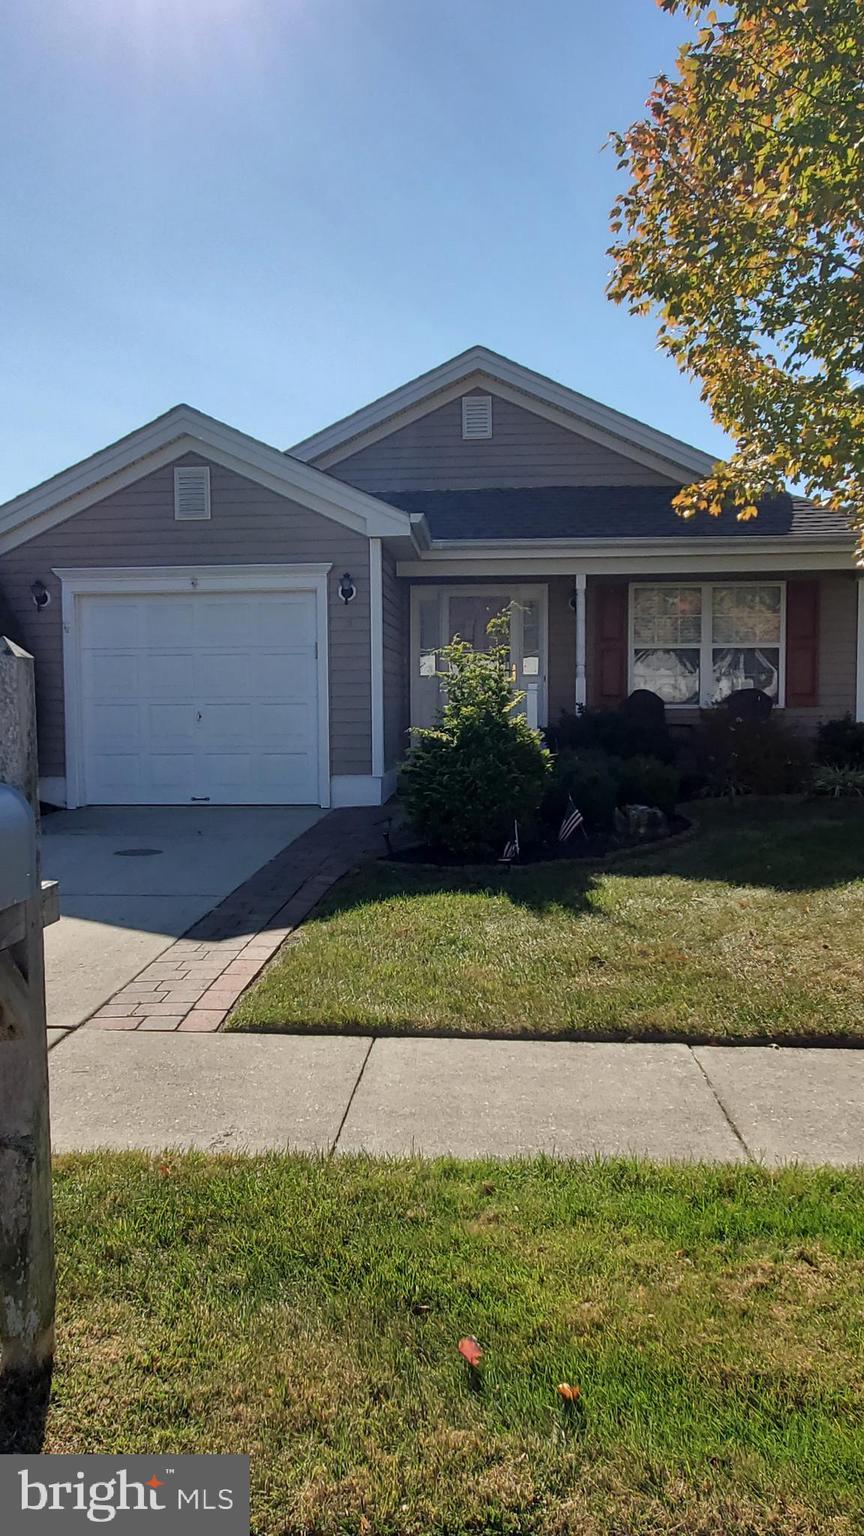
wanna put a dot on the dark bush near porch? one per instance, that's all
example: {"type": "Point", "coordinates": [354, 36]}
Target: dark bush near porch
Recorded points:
{"type": "Point", "coordinates": [756, 757]}
{"type": "Point", "coordinates": [591, 780]}
{"type": "Point", "coordinates": [647, 781]}
{"type": "Point", "coordinates": [840, 743]}
{"type": "Point", "coordinates": [632, 731]}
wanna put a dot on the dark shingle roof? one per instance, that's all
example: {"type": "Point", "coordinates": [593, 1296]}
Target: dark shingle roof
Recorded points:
{"type": "Point", "coordinates": [599, 512]}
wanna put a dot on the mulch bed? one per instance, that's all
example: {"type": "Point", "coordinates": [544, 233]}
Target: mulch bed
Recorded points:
{"type": "Point", "coordinates": [577, 850]}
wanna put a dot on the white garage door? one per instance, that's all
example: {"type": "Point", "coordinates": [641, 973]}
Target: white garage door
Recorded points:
{"type": "Point", "coordinates": [199, 698]}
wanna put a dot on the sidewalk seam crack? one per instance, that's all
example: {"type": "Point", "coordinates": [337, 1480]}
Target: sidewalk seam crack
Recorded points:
{"type": "Point", "coordinates": [351, 1097]}
{"type": "Point", "coordinates": [722, 1108]}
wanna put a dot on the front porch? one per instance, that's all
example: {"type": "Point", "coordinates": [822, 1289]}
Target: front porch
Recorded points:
{"type": "Point", "coordinates": [582, 638]}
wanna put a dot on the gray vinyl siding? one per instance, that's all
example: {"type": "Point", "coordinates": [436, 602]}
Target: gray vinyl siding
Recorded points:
{"type": "Point", "coordinates": [838, 631]}
{"type": "Point", "coordinates": [249, 525]}
{"type": "Point", "coordinates": [397, 647]}
{"type": "Point", "coordinates": [525, 449]}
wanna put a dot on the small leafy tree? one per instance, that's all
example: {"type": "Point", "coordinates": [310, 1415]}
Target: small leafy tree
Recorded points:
{"type": "Point", "coordinates": [482, 766]}
{"type": "Point", "coordinates": [743, 225]}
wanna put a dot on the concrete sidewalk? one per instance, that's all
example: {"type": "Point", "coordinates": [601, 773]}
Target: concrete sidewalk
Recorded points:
{"type": "Point", "coordinates": [470, 1098]}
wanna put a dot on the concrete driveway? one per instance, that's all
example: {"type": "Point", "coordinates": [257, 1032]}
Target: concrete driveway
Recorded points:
{"type": "Point", "coordinates": [132, 879]}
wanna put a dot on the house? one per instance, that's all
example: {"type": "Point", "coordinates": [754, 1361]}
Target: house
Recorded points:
{"type": "Point", "coordinates": [215, 620]}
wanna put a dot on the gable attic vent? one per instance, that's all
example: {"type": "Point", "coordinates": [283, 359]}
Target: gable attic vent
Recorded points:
{"type": "Point", "coordinates": [192, 493]}
{"type": "Point", "coordinates": [476, 416]}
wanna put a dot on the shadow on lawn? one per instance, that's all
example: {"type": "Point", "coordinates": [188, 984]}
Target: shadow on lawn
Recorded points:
{"type": "Point", "coordinates": [24, 1402]}
{"type": "Point", "coordinates": [779, 845]}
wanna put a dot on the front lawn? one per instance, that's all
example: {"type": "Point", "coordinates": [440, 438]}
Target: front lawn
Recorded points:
{"type": "Point", "coordinates": [749, 930]}
{"type": "Point", "coordinates": [308, 1313]}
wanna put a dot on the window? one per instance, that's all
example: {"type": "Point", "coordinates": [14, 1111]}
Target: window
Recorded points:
{"type": "Point", "coordinates": [696, 644]}
{"type": "Point", "coordinates": [476, 416]}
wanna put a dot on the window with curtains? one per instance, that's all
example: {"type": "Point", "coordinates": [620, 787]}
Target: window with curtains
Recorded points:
{"type": "Point", "coordinates": [695, 643]}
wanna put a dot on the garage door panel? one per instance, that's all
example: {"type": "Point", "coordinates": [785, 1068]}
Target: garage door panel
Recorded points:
{"type": "Point", "coordinates": [113, 727]}
{"type": "Point", "coordinates": [114, 772]}
{"type": "Point", "coordinates": [226, 725]}
{"type": "Point", "coordinates": [230, 771]}
{"type": "Point", "coordinates": [168, 622]}
{"type": "Point", "coordinates": [192, 696]}
{"type": "Point", "coordinates": [291, 677]}
{"type": "Point", "coordinates": [284, 725]}
{"type": "Point", "coordinates": [167, 675]}
{"type": "Point", "coordinates": [113, 675]}
{"type": "Point", "coordinates": [291, 627]}
{"type": "Point", "coordinates": [169, 727]}
{"type": "Point", "coordinates": [173, 772]}
{"type": "Point", "coordinates": [275, 767]}
{"type": "Point", "coordinates": [112, 623]}
{"type": "Point", "coordinates": [224, 675]}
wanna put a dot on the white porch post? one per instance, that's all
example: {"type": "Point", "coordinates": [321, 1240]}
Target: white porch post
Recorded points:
{"type": "Point", "coordinates": [376, 638]}
{"type": "Point", "coordinates": [859, 678]}
{"type": "Point", "coordinates": [581, 690]}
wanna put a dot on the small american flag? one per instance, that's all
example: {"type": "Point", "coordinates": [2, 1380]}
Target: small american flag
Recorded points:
{"type": "Point", "coordinates": [511, 849]}
{"type": "Point", "coordinates": [572, 820]}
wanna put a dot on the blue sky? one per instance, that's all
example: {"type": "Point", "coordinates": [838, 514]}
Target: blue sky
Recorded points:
{"type": "Point", "coordinates": [278, 209]}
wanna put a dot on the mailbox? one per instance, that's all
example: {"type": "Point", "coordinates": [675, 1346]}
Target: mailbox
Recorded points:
{"type": "Point", "coordinates": [18, 880]}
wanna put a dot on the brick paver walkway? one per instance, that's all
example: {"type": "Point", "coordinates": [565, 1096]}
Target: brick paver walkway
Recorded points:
{"type": "Point", "coordinates": [196, 981]}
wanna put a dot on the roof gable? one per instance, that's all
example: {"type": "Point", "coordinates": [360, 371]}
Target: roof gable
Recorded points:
{"type": "Point", "coordinates": [180, 431]}
{"type": "Point", "coordinates": [480, 368]}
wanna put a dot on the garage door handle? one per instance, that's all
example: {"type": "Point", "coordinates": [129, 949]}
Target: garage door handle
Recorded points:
{"type": "Point", "coordinates": [198, 715]}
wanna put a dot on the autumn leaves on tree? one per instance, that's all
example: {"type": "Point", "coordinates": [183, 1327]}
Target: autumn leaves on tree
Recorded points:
{"type": "Point", "coordinates": [742, 225]}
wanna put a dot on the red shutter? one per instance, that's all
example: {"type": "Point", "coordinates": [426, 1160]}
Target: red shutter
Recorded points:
{"type": "Point", "coordinates": [802, 643]}
{"type": "Point", "coordinates": [608, 686]}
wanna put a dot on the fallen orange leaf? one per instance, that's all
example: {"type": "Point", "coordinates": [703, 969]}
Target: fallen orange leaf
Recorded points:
{"type": "Point", "coordinates": [470, 1350]}
{"type": "Point", "coordinates": [569, 1394]}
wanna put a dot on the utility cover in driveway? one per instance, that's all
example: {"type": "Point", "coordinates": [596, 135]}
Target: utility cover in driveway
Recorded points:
{"type": "Point", "coordinates": [199, 698]}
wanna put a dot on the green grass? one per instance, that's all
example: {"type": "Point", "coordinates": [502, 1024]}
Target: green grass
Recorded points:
{"type": "Point", "coordinates": [748, 930]}
{"type": "Point", "coordinates": [308, 1312]}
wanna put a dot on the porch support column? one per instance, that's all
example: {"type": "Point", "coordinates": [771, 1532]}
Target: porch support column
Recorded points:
{"type": "Point", "coordinates": [860, 655]}
{"type": "Point", "coordinates": [578, 602]}
{"type": "Point", "coordinates": [859, 678]}
{"type": "Point", "coordinates": [376, 639]}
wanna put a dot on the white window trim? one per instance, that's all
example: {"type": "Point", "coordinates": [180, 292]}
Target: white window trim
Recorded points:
{"type": "Point", "coordinates": [124, 580]}
{"type": "Point", "coordinates": [516, 592]}
{"type": "Point", "coordinates": [706, 659]}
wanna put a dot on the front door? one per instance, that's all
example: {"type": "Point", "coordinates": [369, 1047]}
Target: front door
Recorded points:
{"type": "Point", "coordinates": [440, 613]}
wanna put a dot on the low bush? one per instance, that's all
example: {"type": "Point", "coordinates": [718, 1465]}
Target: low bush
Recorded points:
{"type": "Point", "coordinates": [591, 780]}
{"type": "Point", "coordinates": [482, 768]}
{"type": "Point", "coordinates": [647, 781]}
{"type": "Point", "coordinates": [828, 779]}
{"type": "Point", "coordinates": [613, 731]}
{"type": "Point", "coordinates": [841, 743]}
{"type": "Point", "coordinates": [755, 757]}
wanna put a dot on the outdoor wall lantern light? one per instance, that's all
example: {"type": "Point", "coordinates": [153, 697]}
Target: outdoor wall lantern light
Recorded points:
{"type": "Point", "coordinates": [40, 595]}
{"type": "Point", "coordinates": [347, 589]}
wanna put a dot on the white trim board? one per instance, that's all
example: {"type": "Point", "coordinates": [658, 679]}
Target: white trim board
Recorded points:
{"type": "Point", "coordinates": [362, 788]}
{"type": "Point", "coordinates": [376, 641]}
{"type": "Point", "coordinates": [535, 391]}
{"type": "Point", "coordinates": [181, 431]}
{"type": "Point", "coordinates": [120, 580]}
{"type": "Point", "coordinates": [860, 655]}
{"type": "Point", "coordinates": [633, 560]}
